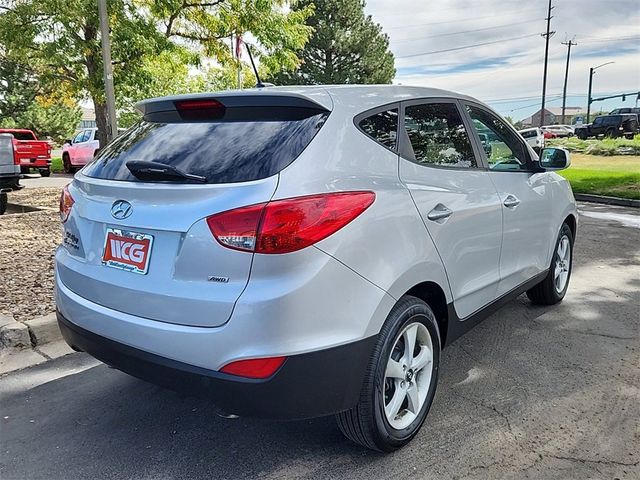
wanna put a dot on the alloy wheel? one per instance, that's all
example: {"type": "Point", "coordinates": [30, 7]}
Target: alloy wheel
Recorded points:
{"type": "Point", "coordinates": [563, 264]}
{"type": "Point", "coordinates": [408, 375]}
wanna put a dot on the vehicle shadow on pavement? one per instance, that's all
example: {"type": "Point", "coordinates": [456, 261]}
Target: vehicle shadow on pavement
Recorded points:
{"type": "Point", "coordinates": [516, 393]}
{"type": "Point", "coordinates": [532, 392]}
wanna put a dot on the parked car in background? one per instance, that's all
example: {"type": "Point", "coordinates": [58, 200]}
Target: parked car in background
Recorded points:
{"type": "Point", "coordinates": [560, 131]}
{"type": "Point", "coordinates": [618, 111]}
{"type": "Point", "coordinates": [81, 149]}
{"type": "Point", "coordinates": [9, 169]}
{"type": "Point", "coordinates": [534, 137]}
{"type": "Point", "coordinates": [611, 126]}
{"type": "Point", "coordinates": [30, 152]}
{"type": "Point", "coordinates": [569, 128]}
{"type": "Point", "coordinates": [243, 246]}
{"type": "Point", "coordinates": [486, 143]}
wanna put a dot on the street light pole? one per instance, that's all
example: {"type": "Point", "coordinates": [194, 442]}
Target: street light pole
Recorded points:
{"type": "Point", "coordinates": [589, 94]}
{"type": "Point", "coordinates": [112, 121]}
{"type": "Point", "coordinates": [589, 99]}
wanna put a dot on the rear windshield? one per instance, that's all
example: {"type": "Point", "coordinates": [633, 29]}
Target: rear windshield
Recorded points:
{"type": "Point", "coordinates": [23, 135]}
{"type": "Point", "coordinates": [529, 133]}
{"type": "Point", "coordinates": [241, 146]}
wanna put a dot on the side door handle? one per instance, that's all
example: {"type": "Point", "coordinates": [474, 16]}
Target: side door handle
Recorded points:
{"type": "Point", "coordinates": [439, 212]}
{"type": "Point", "coordinates": [511, 201]}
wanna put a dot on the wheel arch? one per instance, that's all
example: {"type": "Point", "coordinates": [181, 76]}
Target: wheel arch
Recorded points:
{"type": "Point", "coordinates": [573, 225]}
{"type": "Point", "coordinates": [432, 294]}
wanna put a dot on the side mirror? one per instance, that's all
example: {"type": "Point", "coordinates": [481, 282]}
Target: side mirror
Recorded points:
{"type": "Point", "coordinates": [68, 140]}
{"type": "Point", "coordinates": [554, 159]}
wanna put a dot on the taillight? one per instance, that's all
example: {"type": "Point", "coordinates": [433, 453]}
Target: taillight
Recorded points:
{"type": "Point", "coordinates": [254, 368]}
{"type": "Point", "coordinates": [66, 202]}
{"type": "Point", "coordinates": [284, 226]}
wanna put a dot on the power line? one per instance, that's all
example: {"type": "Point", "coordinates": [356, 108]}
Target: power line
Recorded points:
{"type": "Point", "coordinates": [459, 20]}
{"type": "Point", "coordinates": [464, 31]}
{"type": "Point", "coordinates": [468, 46]}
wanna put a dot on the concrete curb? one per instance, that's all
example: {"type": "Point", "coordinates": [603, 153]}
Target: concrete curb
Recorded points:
{"type": "Point", "coordinates": [28, 343]}
{"type": "Point", "coordinates": [623, 202]}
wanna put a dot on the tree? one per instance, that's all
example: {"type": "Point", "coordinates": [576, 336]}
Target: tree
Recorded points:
{"type": "Point", "coordinates": [62, 39]}
{"type": "Point", "coordinates": [346, 47]}
{"type": "Point", "coordinates": [27, 103]}
{"type": "Point", "coordinates": [518, 125]}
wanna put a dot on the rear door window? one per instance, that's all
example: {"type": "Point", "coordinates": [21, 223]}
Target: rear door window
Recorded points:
{"type": "Point", "coordinates": [438, 135]}
{"type": "Point", "coordinates": [244, 144]}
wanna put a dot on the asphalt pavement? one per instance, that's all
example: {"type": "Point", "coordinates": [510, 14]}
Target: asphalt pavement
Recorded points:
{"type": "Point", "coordinates": [531, 393]}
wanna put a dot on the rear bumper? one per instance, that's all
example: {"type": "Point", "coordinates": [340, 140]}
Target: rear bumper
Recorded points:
{"type": "Point", "coordinates": [35, 162]}
{"type": "Point", "coordinates": [307, 385]}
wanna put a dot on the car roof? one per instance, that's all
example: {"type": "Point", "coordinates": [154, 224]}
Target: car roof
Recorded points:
{"type": "Point", "coordinates": [357, 97]}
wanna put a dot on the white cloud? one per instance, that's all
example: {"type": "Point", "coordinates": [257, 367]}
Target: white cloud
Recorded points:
{"type": "Point", "coordinates": [605, 31]}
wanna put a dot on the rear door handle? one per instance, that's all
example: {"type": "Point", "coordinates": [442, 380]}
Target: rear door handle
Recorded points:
{"type": "Point", "coordinates": [439, 212]}
{"type": "Point", "coordinates": [511, 201]}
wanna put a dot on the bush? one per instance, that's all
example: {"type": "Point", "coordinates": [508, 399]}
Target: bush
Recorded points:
{"type": "Point", "coordinates": [605, 147]}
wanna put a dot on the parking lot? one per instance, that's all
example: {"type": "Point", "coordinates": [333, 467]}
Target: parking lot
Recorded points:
{"type": "Point", "coordinates": [533, 392]}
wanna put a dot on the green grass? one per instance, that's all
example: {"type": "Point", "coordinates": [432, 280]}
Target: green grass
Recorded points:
{"type": "Point", "coordinates": [56, 165]}
{"type": "Point", "coordinates": [614, 176]}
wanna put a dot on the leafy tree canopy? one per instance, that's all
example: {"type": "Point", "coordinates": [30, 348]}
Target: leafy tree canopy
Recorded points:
{"type": "Point", "coordinates": [346, 47]}
{"type": "Point", "coordinates": [154, 43]}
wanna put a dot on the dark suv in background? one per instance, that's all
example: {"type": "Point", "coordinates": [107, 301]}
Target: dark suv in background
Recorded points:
{"type": "Point", "coordinates": [611, 126]}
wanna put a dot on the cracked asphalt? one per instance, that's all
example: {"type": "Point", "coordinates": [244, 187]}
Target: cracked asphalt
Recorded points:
{"type": "Point", "coordinates": [531, 393]}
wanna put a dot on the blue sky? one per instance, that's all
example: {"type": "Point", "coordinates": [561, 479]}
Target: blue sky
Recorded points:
{"type": "Point", "coordinates": [428, 40]}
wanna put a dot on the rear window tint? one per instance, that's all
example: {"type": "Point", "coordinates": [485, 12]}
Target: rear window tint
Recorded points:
{"type": "Point", "coordinates": [529, 134]}
{"type": "Point", "coordinates": [23, 135]}
{"type": "Point", "coordinates": [382, 127]}
{"type": "Point", "coordinates": [239, 147]}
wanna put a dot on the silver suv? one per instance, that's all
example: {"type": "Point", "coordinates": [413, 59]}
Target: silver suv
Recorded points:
{"type": "Point", "coordinates": [305, 251]}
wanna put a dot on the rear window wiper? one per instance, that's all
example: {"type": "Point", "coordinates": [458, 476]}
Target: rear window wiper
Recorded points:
{"type": "Point", "coordinates": [150, 171]}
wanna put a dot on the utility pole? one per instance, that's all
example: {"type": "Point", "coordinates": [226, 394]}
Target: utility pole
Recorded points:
{"type": "Point", "coordinates": [546, 61]}
{"type": "Point", "coordinates": [112, 121]}
{"type": "Point", "coordinates": [566, 78]}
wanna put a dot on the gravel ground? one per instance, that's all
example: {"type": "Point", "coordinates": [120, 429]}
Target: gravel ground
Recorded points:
{"type": "Point", "coordinates": [27, 244]}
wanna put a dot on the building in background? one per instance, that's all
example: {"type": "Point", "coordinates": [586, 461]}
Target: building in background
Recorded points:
{"type": "Point", "coordinates": [553, 116]}
{"type": "Point", "coordinates": [88, 119]}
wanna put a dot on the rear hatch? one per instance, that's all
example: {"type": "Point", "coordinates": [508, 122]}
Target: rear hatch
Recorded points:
{"type": "Point", "coordinates": [137, 239]}
{"type": "Point", "coordinates": [28, 148]}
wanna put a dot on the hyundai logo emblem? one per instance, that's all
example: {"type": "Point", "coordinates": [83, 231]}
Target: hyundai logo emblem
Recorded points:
{"type": "Point", "coordinates": [121, 209]}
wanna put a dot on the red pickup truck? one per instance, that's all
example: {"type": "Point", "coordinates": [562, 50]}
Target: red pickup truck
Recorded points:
{"type": "Point", "coordinates": [31, 152]}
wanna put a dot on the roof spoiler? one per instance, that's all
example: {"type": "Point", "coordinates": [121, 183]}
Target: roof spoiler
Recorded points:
{"type": "Point", "coordinates": [230, 100]}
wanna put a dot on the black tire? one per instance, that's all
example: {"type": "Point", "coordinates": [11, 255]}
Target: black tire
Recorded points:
{"type": "Point", "coordinates": [581, 135]}
{"type": "Point", "coordinates": [24, 170]}
{"type": "Point", "coordinates": [545, 292]}
{"type": "Point", "coordinates": [45, 172]}
{"type": "Point", "coordinates": [66, 164]}
{"type": "Point", "coordinates": [3, 203]}
{"type": "Point", "coordinates": [366, 423]}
